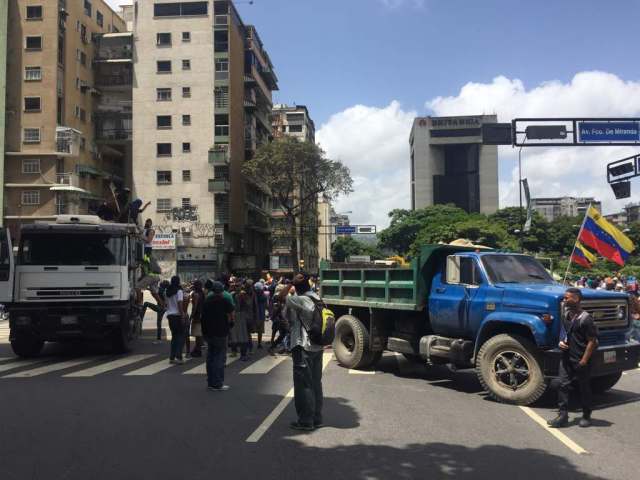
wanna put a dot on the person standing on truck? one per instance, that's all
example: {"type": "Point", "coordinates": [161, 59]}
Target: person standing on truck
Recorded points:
{"type": "Point", "coordinates": [176, 313]}
{"type": "Point", "coordinates": [307, 357]}
{"type": "Point", "coordinates": [217, 321]}
{"type": "Point", "coordinates": [578, 341]}
{"type": "Point", "coordinates": [147, 237]}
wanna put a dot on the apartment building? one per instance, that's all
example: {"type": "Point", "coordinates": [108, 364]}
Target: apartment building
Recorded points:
{"type": "Point", "coordinates": [554, 207]}
{"type": "Point", "coordinates": [294, 121]}
{"type": "Point", "coordinates": [51, 160]}
{"type": "Point", "coordinates": [3, 88]}
{"type": "Point", "coordinates": [201, 100]}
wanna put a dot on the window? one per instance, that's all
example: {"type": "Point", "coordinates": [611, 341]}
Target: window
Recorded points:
{"type": "Point", "coordinates": [186, 92]}
{"type": "Point", "coordinates": [186, 119]}
{"type": "Point", "coordinates": [77, 83]}
{"type": "Point", "coordinates": [83, 33]}
{"type": "Point", "coordinates": [181, 9]}
{"type": "Point", "coordinates": [163, 39]}
{"type": "Point", "coordinates": [31, 165]}
{"type": "Point", "coordinates": [83, 115]}
{"type": "Point", "coordinates": [222, 125]}
{"type": "Point", "coordinates": [221, 41]}
{"type": "Point", "coordinates": [163, 177]}
{"type": "Point", "coordinates": [163, 94]}
{"type": "Point", "coordinates": [33, 43]}
{"type": "Point", "coordinates": [222, 69]}
{"type": "Point", "coordinates": [186, 203]}
{"type": "Point", "coordinates": [186, 64]}
{"type": "Point", "coordinates": [295, 128]}
{"type": "Point", "coordinates": [463, 270]}
{"type": "Point", "coordinates": [32, 104]}
{"type": "Point", "coordinates": [186, 36]}
{"type": "Point", "coordinates": [163, 149]}
{"type": "Point", "coordinates": [77, 111]}
{"type": "Point", "coordinates": [87, 8]}
{"type": "Point", "coordinates": [83, 58]}
{"type": "Point", "coordinates": [221, 95]}
{"type": "Point", "coordinates": [99, 18]}
{"type": "Point", "coordinates": [164, 66]}
{"type": "Point", "coordinates": [31, 135]}
{"type": "Point", "coordinates": [34, 12]}
{"type": "Point", "coordinates": [163, 205]}
{"type": "Point", "coordinates": [83, 143]}
{"type": "Point", "coordinates": [186, 147]}
{"type": "Point", "coordinates": [186, 175]}
{"type": "Point", "coordinates": [163, 121]}
{"type": "Point", "coordinates": [30, 197]}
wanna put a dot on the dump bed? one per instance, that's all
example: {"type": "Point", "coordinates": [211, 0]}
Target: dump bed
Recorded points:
{"type": "Point", "coordinates": [380, 286]}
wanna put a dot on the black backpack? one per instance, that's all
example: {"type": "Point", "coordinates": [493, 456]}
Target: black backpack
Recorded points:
{"type": "Point", "coordinates": [322, 330]}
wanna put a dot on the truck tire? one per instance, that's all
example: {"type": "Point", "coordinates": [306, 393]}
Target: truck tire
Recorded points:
{"type": "Point", "coordinates": [351, 343]}
{"type": "Point", "coordinates": [26, 345]}
{"type": "Point", "coordinates": [509, 368]}
{"type": "Point", "coordinates": [605, 382]}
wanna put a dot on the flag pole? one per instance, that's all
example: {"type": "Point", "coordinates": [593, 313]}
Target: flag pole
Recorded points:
{"type": "Point", "coordinates": [575, 244]}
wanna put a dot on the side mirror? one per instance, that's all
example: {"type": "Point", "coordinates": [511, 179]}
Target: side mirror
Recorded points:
{"type": "Point", "coordinates": [453, 269]}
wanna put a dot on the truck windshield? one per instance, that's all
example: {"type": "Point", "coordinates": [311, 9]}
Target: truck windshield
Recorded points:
{"type": "Point", "coordinates": [515, 269]}
{"type": "Point", "coordinates": [73, 249]}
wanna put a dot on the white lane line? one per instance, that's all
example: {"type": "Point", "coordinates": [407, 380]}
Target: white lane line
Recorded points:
{"type": "Point", "coordinates": [264, 365]}
{"type": "Point", "coordinates": [570, 444]}
{"type": "Point", "coordinates": [19, 363]}
{"type": "Point", "coordinates": [151, 369]}
{"type": "Point", "coordinates": [273, 416]}
{"type": "Point", "coordinates": [202, 368]}
{"type": "Point", "coordinates": [107, 366]}
{"type": "Point", "coordinates": [362, 372]}
{"type": "Point", "coordinates": [54, 367]}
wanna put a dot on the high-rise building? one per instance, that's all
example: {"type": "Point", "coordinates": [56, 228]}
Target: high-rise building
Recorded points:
{"type": "Point", "coordinates": [4, 9]}
{"type": "Point", "coordinates": [201, 102]}
{"type": "Point", "coordinates": [554, 207]}
{"type": "Point", "coordinates": [295, 122]}
{"type": "Point", "coordinates": [52, 162]}
{"type": "Point", "coordinates": [449, 164]}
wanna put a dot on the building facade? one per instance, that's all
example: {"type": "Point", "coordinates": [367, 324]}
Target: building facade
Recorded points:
{"type": "Point", "coordinates": [51, 159]}
{"type": "Point", "coordinates": [554, 207]}
{"type": "Point", "coordinates": [4, 9]}
{"type": "Point", "coordinates": [295, 122]}
{"type": "Point", "coordinates": [449, 164]}
{"type": "Point", "coordinates": [201, 103]}
{"type": "Point", "coordinates": [328, 220]}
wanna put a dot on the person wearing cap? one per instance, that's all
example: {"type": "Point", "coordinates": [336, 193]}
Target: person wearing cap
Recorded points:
{"type": "Point", "coordinates": [216, 321]}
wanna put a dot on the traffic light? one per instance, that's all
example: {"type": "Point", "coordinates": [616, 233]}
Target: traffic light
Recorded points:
{"type": "Point", "coordinates": [621, 189]}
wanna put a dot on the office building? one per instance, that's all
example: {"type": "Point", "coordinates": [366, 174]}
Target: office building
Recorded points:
{"type": "Point", "coordinates": [201, 102]}
{"type": "Point", "coordinates": [295, 122]}
{"type": "Point", "coordinates": [4, 9]}
{"type": "Point", "coordinates": [450, 165]}
{"type": "Point", "coordinates": [328, 220]}
{"type": "Point", "coordinates": [52, 162]}
{"type": "Point", "coordinates": [554, 207]}
{"type": "Point", "coordinates": [619, 219]}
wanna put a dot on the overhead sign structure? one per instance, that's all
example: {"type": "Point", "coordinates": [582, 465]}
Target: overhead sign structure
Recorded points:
{"type": "Point", "coordinates": [609, 132]}
{"type": "Point", "coordinates": [355, 229]}
{"type": "Point", "coordinates": [575, 132]}
{"type": "Point", "coordinates": [164, 241]}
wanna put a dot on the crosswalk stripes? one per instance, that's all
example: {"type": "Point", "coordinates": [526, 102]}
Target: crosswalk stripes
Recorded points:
{"type": "Point", "coordinates": [264, 365]}
{"type": "Point", "coordinates": [105, 367]}
{"type": "Point", "coordinates": [4, 367]}
{"type": "Point", "coordinates": [151, 369]}
{"type": "Point", "coordinates": [4, 332]}
{"type": "Point", "coordinates": [54, 367]}
{"type": "Point", "coordinates": [202, 368]}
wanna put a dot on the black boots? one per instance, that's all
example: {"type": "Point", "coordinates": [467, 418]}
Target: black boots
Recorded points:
{"type": "Point", "coordinates": [561, 421]}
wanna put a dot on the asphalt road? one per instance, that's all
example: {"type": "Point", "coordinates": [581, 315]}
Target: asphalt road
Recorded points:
{"type": "Point", "coordinates": [78, 414]}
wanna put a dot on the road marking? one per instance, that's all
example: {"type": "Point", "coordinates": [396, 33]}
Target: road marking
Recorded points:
{"type": "Point", "coordinates": [2, 359]}
{"type": "Point", "coordinates": [151, 369]}
{"type": "Point", "coordinates": [19, 363]}
{"type": "Point", "coordinates": [362, 372]}
{"type": "Point", "coordinates": [273, 416]}
{"type": "Point", "coordinates": [264, 365]}
{"type": "Point", "coordinates": [54, 367]}
{"type": "Point", "coordinates": [107, 366]}
{"type": "Point", "coordinates": [570, 444]}
{"type": "Point", "coordinates": [202, 368]}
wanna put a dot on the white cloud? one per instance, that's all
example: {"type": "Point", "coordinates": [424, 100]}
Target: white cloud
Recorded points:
{"type": "Point", "coordinates": [115, 4]}
{"type": "Point", "coordinates": [374, 144]}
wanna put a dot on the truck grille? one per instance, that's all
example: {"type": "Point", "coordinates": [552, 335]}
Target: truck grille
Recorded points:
{"type": "Point", "coordinates": [606, 313]}
{"type": "Point", "coordinates": [70, 293]}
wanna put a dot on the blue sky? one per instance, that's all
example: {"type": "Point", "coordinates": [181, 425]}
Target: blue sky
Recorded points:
{"type": "Point", "coordinates": [365, 68]}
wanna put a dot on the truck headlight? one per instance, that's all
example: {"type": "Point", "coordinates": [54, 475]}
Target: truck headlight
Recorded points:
{"type": "Point", "coordinates": [622, 313]}
{"type": "Point", "coordinates": [23, 321]}
{"type": "Point", "coordinates": [112, 318]}
{"type": "Point", "coordinates": [547, 318]}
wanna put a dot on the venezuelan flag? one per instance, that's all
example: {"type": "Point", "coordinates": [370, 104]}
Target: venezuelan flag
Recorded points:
{"type": "Point", "coordinates": [604, 238]}
{"type": "Point", "coordinates": [583, 257]}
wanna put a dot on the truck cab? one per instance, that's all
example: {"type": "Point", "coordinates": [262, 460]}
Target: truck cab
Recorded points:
{"type": "Point", "coordinates": [71, 279]}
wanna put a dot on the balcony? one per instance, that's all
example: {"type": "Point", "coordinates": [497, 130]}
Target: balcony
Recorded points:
{"type": "Point", "coordinates": [219, 156]}
{"type": "Point", "coordinates": [114, 135]}
{"type": "Point", "coordinates": [67, 141]}
{"type": "Point", "coordinates": [219, 186]}
{"type": "Point", "coordinates": [117, 80]}
{"type": "Point", "coordinates": [114, 47]}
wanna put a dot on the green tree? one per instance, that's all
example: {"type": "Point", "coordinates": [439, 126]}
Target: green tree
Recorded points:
{"type": "Point", "coordinates": [344, 247]}
{"type": "Point", "coordinates": [296, 173]}
{"type": "Point", "coordinates": [511, 219]}
{"type": "Point", "coordinates": [562, 235]}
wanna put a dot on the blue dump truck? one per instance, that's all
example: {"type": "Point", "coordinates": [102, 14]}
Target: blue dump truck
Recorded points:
{"type": "Point", "coordinates": [497, 312]}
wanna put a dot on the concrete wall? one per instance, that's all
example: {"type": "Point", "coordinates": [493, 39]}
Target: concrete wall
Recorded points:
{"type": "Point", "coordinates": [4, 9]}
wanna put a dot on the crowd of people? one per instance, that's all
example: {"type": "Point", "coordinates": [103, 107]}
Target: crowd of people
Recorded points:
{"type": "Point", "coordinates": [618, 283]}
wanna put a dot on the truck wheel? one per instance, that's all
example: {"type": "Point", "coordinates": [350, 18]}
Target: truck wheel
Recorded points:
{"type": "Point", "coordinates": [509, 369]}
{"type": "Point", "coordinates": [26, 345]}
{"type": "Point", "coordinates": [351, 343]}
{"type": "Point", "coordinates": [604, 383]}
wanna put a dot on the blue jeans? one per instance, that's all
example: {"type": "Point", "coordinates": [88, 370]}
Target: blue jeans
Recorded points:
{"type": "Point", "coordinates": [216, 359]}
{"type": "Point", "coordinates": [176, 325]}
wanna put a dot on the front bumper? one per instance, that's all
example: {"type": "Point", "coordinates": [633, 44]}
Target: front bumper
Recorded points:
{"type": "Point", "coordinates": [604, 361]}
{"type": "Point", "coordinates": [55, 322]}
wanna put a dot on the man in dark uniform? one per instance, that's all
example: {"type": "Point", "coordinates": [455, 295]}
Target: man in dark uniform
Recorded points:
{"type": "Point", "coordinates": [578, 341]}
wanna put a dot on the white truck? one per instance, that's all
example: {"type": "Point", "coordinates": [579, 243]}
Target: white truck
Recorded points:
{"type": "Point", "coordinates": [71, 279]}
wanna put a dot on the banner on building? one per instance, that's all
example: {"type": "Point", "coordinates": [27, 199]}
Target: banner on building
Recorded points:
{"type": "Point", "coordinates": [164, 241]}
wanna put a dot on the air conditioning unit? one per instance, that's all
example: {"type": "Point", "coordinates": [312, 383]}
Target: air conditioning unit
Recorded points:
{"type": "Point", "coordinates": [185, 230]}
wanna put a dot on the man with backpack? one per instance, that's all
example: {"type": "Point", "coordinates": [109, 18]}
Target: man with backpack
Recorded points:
{"type": "Point", "coordinates": [310, 332]}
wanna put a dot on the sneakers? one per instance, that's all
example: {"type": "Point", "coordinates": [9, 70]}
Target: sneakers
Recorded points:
{"type": "Point", "coordinates": [301, 427]}
{"type": "Point", "coordinates": [561, 421]}
{"type": "Point", "coordinates": [222, 388]}
{"type": "Point", "coordinates": [585, 422]}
